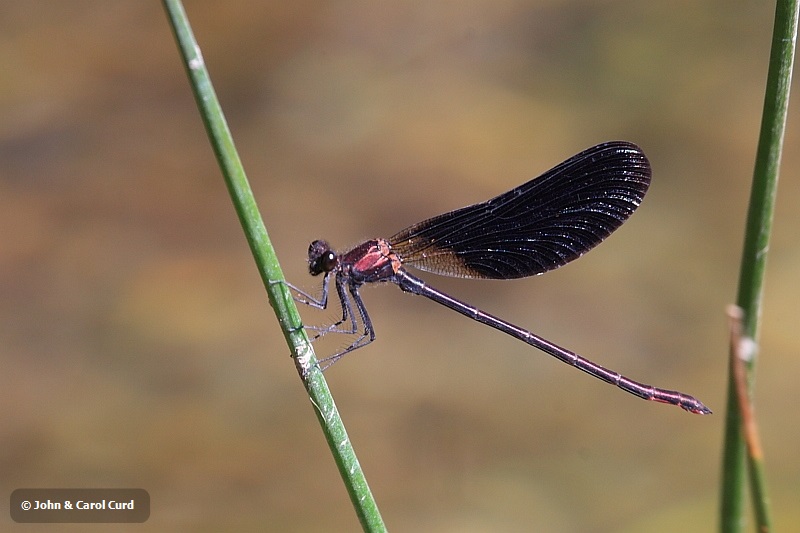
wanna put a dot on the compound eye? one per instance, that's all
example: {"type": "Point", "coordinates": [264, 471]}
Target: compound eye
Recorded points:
{"type": "Point", "coordinates": [329, 261]}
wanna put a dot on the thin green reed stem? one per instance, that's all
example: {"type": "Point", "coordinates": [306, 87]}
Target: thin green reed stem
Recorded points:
{"type": "Point", "coordinates": [751, 282]}
{"type": "Point", "coordinates": [279, 296]}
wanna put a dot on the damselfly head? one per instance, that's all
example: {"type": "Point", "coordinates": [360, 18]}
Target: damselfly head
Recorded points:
{"type": "Point", "coordinates": [321, 258]}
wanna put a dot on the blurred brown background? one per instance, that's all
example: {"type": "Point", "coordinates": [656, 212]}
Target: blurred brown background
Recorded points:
{"type": "Point", "coordinates": [137, 345]}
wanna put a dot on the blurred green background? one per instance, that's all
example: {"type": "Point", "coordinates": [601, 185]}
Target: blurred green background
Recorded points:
{"type": "Point", "coordinates": [136, 342]}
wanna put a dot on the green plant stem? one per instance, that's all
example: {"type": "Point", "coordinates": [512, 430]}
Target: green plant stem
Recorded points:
{"type": "Point", "coordinates": [751, 282]}
{"type": "Point", "coordinates": [279, 295]}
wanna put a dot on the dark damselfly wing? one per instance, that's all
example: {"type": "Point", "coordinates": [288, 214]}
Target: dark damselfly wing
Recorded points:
{"type": "Point", "coordinates": [538, 226]}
